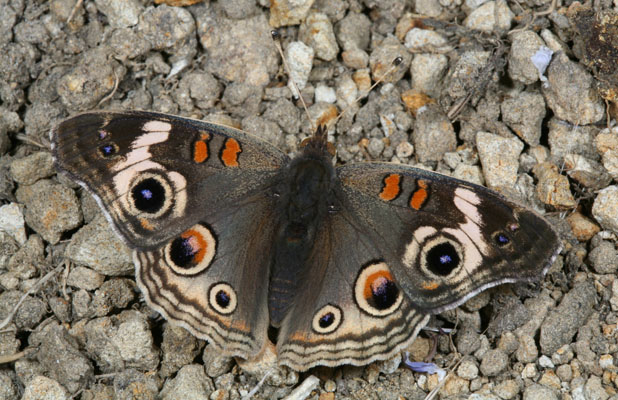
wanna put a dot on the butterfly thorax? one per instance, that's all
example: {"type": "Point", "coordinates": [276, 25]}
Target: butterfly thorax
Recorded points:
{"type": "Point", "coordinates": [305, 198]}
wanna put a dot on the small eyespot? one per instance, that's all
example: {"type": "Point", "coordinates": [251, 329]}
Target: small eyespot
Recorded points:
{"type": "Point", "coordinates": [108, 150]}
{"type": "Point", "coordinates": [514, 227]}
{"type": "Point", "coordinates": [442, 258]}
{"type": "Point", "coordinates": [376, 291]}
{"type": "Point", "coordinates": [501, 239]}
{"type": "Point", "coordinates": [192, 251]}
{"type": "Point", "coordinates": [222, 298]}
{"type": "Point", "coordinates": [327, 319]}
{"type": "Point", "coordinates": [102, 134]}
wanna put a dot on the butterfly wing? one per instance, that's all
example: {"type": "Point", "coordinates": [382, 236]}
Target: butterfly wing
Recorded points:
{"type": "Point", "coordinates": [402, 243]}
{"type": "Point", "coordinates": [194, 202]}
{"type": "Point", "coordinates": [336, 319]}
{"type": "Point", "coordinates": [446, 240]}
{"type": "Point", "coordinates": [155, 174]}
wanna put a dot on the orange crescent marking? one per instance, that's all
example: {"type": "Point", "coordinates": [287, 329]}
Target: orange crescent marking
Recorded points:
{"type": "Point", "coordinates": [391, 187]}
{"type": "Point", "coordinates": [420, 195]}
{"type": "Point", "coordinates": [197, 243]}
{"type": "Point", "coordinates": [200, 151]}
{"type": "Point", "coordinates": [229, 155]}
{"type": "Point", "coordinates": [146, 224]}
{"type": "Point", "coordinates": [431, 285]}
{"type": "Point", "coordinates": [371, 279]}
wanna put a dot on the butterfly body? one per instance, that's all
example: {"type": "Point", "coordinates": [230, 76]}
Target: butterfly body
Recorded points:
{"type": "Point", "coordinates": [230, 236]}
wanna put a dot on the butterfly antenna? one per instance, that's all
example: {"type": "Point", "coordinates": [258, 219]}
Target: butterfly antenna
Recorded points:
{"type": "Point", "coordinates": [277, 39]}
{"type": "Point", "coordinates": [395, 63]}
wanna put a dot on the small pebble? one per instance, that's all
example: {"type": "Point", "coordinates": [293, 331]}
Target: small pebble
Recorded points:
{"type": "Point", "coordinates": [491, 16]}
{"type": "Point", "coordinates": [500, 158]}
{"type": "Point", "coordinates": [605, 208]}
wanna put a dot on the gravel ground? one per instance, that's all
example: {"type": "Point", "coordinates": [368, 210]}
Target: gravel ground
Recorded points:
{"type": "Point", "coordinates": [516, 95]}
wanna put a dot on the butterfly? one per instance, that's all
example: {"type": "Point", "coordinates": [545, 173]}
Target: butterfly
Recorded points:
{"type": "Point", "coordinates": [241, 244]}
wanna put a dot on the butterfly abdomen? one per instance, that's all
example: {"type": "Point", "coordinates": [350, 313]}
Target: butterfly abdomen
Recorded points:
{"type": "Point", "coordinates": [304, 204]}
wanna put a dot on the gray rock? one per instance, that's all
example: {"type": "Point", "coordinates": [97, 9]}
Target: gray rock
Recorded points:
{"type": "Point", "coordinates": [90, 80]}
{"type": "Point", "coordinates": [114, 294]}
{"type": "Point", "coordinates": [539, 392]}
{"type": "Point", "coordinates": [427, 71]}
{"type": "Point", "coordinates": [239, 9]}
{"type": "Point", "coordinates": [467, 340]}
{"type": "Point", "coordinates": [433, 134]}
{"type": "Point", "coordinates": [264, 129]}
{"type": "Point", "coordinates": [317, 32]}
{"type": "Point", "coordinates": [565, 138]}
{"type": "Point", "coordinates": [570, 92]}
{"type": "Point", "coordinates": [96, 246]}
{"type": "Point", "coordinates": [561, 324]}
{"type": "Point", "coordinates": [463, 75]}
{"type": "Point", "coordinates": [51, 208]}
{"type": "Point", "coordinates": [165, 27]}
{"type": "Point", "coordinates": [525, 45]}
{"type": "Point", "coordinates": [491, 16]}
{"type": "Point", "coordinates": [299, 58]}
{"type": "Point", "coordinates": [8, 389]}
{"type": "Point", "coordinates": [29, 259]}
{"type": "Point", "coordinates": [8, 248]}
{"type": "Point", "coordinates": [190, 383]}
{"type": "Point", "coordinates": [28, 315]}
{"type": "Point", "coordinates": [285, 114]}
{"type": "Point", "coordinates": [215, 363]}
{"type": "Point", "coordinates": [61, 308]}
{"type": "Point", "coordinates": [468, 369]}
{"type": "Point", "coordinates": [594, 390]}
{"type": "Point", "coordinates": [30, 169]}
{"type": "Point", "coordinates": [242, 99]}
{"type": "Point", "coordinates": [605, 208]}
{"type": "Point", "coordinates": [238, 52]}
{"type": "Point", "coordinates": [58, 354]}
{"type": "Point", "coordinates": [289, 12]}
{"type": "Point", "coordinates": [419, 40]}
{"type": "Point", "coordinates": [42, 388]}
{"type": "Point", "coordinates": [607, 145]}
{"type": "Point", "coordinates": [493, 362]}
{"type": "Point", "coordinates": [126, 43]}
{"type": "Point", "coordinates": [352, 31]}
{"type": "Point", "coordinates": [179, 348]}
{"type": "Point", "coordinates": [12, 223]}
{"type": "Point", "coordinates": [526, 351]}
{"type": "Point", "coordinates": [120, 13]}
{"type": "Point", "coordinates": [130, 384]}
{"type": "Point", "coordinates": [524, 114]}
{"type": "Point", "coordinates": [122, 341]}
{"type": "Point", "coordinates": [203, 88]}
{"type": "Point", "coordinates": [382, 57]}
{"type": "Point", "coordinates": [500, 159]}
{"type": "Point", "coordinates": [85, 278]}
{"type": "Point", "coordinates": [510, 317]}
{"type": "Point", "coordinates": [604, 258]}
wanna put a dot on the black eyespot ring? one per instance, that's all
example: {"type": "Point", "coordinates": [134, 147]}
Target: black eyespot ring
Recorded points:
{"type": "Point", "coordinates": [442, 258]}
{"type": "Point", "coordinates": [148, 195]}
{"type": "Point", "coordinates": [501, 239]}
{"type": "Point", "coordinates": [108, 150]}
{"type": "Point", "coordinates": [327, 319]}
{"type": "Point", "coordinates": [222, 298]}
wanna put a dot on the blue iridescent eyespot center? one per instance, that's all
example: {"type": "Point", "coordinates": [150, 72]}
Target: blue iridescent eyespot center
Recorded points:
{"type": "Point", "coordinates": [222, 299]}
{"type": "Point", "coordinates": [502, 239]}
{"type": "Point", "coordinates": [327, 320]}
{"type": "Point", "coordinates": [108, 150]}
{"type": "Point", "coordinates": [442, 259]}
{"type": "Point", "coordinates": [148, 195]}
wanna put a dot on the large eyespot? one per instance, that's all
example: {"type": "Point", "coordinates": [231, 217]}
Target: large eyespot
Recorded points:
{"type": "Point", "coordinates": [222, 298]}
{"type": "Point", "coordinates": [191, 252]}
{"type": "Point", "coordinates": [441, 256]}
{"type": "Point", "coordinates": [376, 291]}
{"type": "Point", "coordinates": [327, 319]}
{"type": "Point", "coordinates": [151, 194]}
